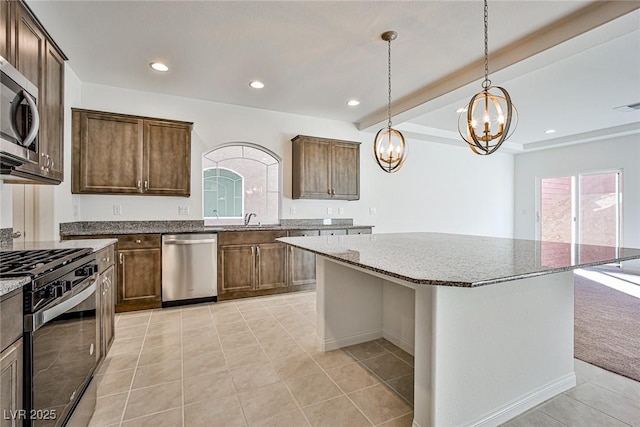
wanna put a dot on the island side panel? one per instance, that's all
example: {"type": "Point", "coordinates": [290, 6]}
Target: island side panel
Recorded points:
{"type": "Point", "coordinates": [496, 350]}
{"type": "Point", "coordinates": [349, 305]}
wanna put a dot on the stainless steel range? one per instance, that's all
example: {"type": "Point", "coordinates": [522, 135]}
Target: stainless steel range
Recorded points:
{"type": "Point", "coordinates": [60, 336]}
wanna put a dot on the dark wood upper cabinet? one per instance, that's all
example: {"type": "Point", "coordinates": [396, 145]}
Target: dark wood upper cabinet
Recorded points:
{"type": "Point", "coordinates": [325, 168]}
{"type": "Point", "coordinates": [32, 52]}
{"type": "Point", "coordinates": [123, 154]}
{"type": "Point", "coordinates": [6, 31]}
{"type": "Point", "coordinates": [29, 47]}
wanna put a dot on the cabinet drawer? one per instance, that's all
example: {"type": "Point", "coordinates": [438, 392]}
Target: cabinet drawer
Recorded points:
{"type": "Point", "coordinates": [105, 258]}
{"type": "Point", "coordinates": [248, 237]}
{"type": "Point", "coordinates": [138, 241]}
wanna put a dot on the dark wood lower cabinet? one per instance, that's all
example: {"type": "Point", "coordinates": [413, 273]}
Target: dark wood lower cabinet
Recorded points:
{"type": "Point", "coordinates": [11, 384]}
{"type": "Point", "coordinates": [271, 265]}
{"type": "Point", "coordinates": [236, 272]}
{"type": "Point", "coordinates": [139, 283]}
{"type": "Point", "coordinates": [302, 264]}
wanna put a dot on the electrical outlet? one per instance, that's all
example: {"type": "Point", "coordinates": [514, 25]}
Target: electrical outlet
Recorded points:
{"type": "Point", "coordinates": [183, 210]}
{"type": "Point", "coordinates": [329, 211]}
{"type": "Point", "coordinates": [117, 209]}
{"type": "Point", "coordinates": [373, 211]}
{"type": "Point", "coordinates": [292, 210]}
{"type": "Point", "coordinates": [340, 211]}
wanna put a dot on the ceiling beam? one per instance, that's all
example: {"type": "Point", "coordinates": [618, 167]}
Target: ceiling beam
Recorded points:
{"type": "Point", "coordinates": [581, 21]}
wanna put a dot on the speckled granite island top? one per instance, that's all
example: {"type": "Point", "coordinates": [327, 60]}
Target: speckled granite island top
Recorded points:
{"type": "Point", "coordinates": [458, 260]}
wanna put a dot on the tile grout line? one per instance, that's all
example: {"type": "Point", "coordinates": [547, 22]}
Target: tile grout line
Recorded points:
{"type": "Point", "coordinates": [126, 402]}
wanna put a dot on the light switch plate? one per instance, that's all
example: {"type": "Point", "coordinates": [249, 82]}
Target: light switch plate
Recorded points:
{"type": "Point", "coordinates": [292, 210]}
{"type": "Point", "coordinates": [117, 209]}
{"type": "Point", "coordinates": [329, 211]}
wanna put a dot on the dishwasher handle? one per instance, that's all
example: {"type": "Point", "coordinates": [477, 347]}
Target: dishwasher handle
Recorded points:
{"type": "Point", "coordinates": [189, 242]}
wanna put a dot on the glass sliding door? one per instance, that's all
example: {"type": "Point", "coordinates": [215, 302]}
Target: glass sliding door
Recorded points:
{"type": "Point", "coordinates": [599, 203]}
{"type": "Point", "coordinates": [584, 209]}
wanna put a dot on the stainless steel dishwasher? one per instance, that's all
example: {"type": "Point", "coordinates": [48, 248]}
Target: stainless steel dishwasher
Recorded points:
{"type": "Point", "coordinates": [189, 268]}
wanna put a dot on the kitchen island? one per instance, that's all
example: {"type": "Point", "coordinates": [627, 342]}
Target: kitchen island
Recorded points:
{"type": "Point", "coordinates": [488, 320]}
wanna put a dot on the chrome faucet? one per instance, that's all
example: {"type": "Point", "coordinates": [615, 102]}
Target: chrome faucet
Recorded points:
{"type": "Point", "coordinates": [247, 217]}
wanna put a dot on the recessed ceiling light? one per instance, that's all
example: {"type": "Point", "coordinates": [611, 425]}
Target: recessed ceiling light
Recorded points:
{"type": "Point", "coordinates": [461, 110]}
{"type": "Point", "coordinates": [159, 66]}
{"type": "Point", "coordinates": [550, 131]}
{"type": "Point", "coordinates": [256, 84]}
{"type": "Point", "coordinates": [353, 102]}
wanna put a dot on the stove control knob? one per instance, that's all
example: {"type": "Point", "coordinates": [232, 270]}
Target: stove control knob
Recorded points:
{"type": "Point", "coordinates": [59, 289]}
{"type": "Point", "coordinates": [86, 271]}
{"type": "Point", "coordinates": [68, 284]}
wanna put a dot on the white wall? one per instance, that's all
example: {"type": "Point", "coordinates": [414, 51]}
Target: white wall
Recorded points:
{"type": "Point", "coordinates": [6, 206]}
{"type": "Point", "coordinates": [440, 188]}
{"type": "Point", "coordinates": [616, 153]}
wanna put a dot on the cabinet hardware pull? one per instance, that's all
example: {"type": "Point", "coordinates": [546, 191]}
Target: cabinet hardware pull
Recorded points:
{"type": "Point", "coordinates": [146, 185]}
{"type": "Point", "coordinates": [121, 258]}
{"type": "Point", "coordinates": [138, 184]}
{"type": "Point", "coordinates": [138, 241]}
{"type": "Point", "coordinates": [329, 191]}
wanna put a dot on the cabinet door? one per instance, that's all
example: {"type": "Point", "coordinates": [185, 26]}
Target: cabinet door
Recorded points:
{"type": "Point", "coordinates": [11, 384]}
{"type": "Point", "coordinates": [108, 309]}
{"type": "Point", "coordinates": [52, 108]}
{"type": "Point", "coordinates": [333, 232]}
{"type": "Point", "coordinates": [138, 279]}
{"type": "Point", "coordinates": [271, 265]}
{"type": "Point", "coordinates": [167, 168]}
{"type": "Point", "coordinates": [311, 173]}
{"type": "Point", "coordinates": [302, 264]}
{"type": "Point", "coordinates": [107, 153]}
{"type": "Point", "coordinates": [236, 269]}
{"type": "Point", "coordinates": [6, 33]}
{"type": "Point", "coordinates": [29, 47]}
{"type": "Point", "coordinates": [345, 171]}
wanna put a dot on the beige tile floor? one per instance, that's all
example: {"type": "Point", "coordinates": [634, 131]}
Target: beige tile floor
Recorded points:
{"type": "Point", "coordinates": [254, 362]}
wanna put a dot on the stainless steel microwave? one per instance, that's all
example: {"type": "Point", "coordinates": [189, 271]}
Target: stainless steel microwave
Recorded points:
{"type": "Point", "coordinates": [19, 120]}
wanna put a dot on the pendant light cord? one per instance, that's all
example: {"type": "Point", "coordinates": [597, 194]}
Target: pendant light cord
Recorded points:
{"type": "Point", "coordinates": [486, 82]}
{"type": "Point", "coordinates": [389, 76]}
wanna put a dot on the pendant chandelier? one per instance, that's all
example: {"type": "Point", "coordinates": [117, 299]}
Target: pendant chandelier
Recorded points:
{"type": "Point", "coordinates": [389, 147]}
{"type": "Point", "coordinates": [490, 117]}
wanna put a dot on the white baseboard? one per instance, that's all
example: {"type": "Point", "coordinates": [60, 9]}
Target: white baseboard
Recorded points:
{"type": "Point", "coordinates": [524, 403]}
{"type": "Point", "coordinates": [333, 343]}
{"type": "Point", "coordinates": [403, 344]}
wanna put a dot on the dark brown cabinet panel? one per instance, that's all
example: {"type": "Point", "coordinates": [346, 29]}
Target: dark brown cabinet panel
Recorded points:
{"type": "Point", "coordinates": [52, 107]}
{"type": "Point", "coordinates": [138, 279]}
{"type": "Point", "coordinates": [11, 384]}
{"type": "Point", "coordinates": [107, 153]}
{"type": "Point", "coordinates": [302, 264]}
{"type": "Point", "coordinates": [251, 263]}
{"type": "Point", "coordinates": [325, 168]}
{"type": "Point", "coordinates": [237, 269]}
{"type": "Point", "coordinates": [168, 158]}
{"type": "Point", "coordinates": [271, 265]}
{"type": "Point", "coordinates": [139, 270]}
{"type": "Point", "coordinates": [107, 305]}
{"type": "Point", "coordinates": [29, 47]}
{"type": "Point", "coordinates": [122, 154]}
{"type": "Point", "coordinates": [6, 31]}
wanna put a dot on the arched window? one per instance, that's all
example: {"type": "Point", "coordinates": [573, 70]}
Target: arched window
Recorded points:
{"type": "Point", "coordinates": [241, 178]}
{"type": "Point", "coordinates": [223, 190]}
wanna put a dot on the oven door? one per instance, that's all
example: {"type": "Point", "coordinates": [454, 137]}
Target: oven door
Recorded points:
{"type": "Point", "coordinates": [60, 355]}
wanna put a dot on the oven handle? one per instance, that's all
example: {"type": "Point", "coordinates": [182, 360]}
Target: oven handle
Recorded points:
{"type": "Point", "coordinates": [34, 321]}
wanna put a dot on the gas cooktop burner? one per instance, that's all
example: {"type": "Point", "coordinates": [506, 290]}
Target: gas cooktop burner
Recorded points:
{"type": "Point", "coordinates": [36, 262]}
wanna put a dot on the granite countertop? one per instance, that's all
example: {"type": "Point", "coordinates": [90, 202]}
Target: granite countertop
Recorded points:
{"type": "Point", "coordinates": [93, 228]}
{"type": "Point", "coordinates": [455, 259]}
{"type": "Point", "coordinates": [10, 284]}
